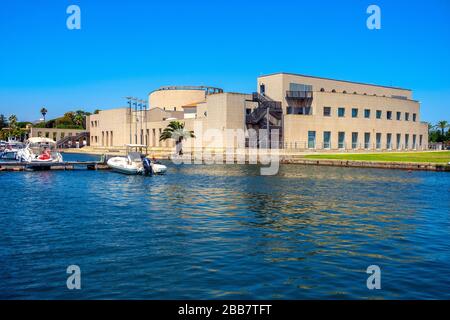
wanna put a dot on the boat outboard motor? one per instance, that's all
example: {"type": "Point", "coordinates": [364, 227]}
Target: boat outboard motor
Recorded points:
{"type": "Point", "coordinates": [147, 167]}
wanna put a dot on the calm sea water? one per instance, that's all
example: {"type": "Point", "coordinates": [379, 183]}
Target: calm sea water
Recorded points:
{"type": "Point", "coordinates": [225, 232]}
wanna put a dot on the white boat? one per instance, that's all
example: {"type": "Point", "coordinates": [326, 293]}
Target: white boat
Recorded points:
{"type": "Point", "coordinates": [131, 164]}
{"type": "Point", "coordinates": [135, 163]}
{"type": "Point", "coordinates": [40, 150]}
{"type": "Point", "coordinates": [9, 150]}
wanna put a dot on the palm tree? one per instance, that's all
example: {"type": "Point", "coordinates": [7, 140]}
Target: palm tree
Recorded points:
{"type": "Point", "coordinates": [12, 121]}
{"type": "Point", "coordinates": [442, 125]}
{"type": "Point", "coordinates": [14, 131]}
{"type": "Point", "coordinates": [175, 130]}
{"type": "Point", "coordinates": [44, 112]}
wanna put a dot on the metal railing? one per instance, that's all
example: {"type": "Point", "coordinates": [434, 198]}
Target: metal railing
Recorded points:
{"type": "Point", "coordinates": [344, 146]}
{"type": "Point", "coordinates": [264, 103]}
{"type": "Point", "coordinates": [299, 94]}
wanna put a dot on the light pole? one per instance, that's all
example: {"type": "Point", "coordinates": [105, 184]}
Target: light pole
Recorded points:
{"type": "Point", "coordinates": [135, 119]}
{"type": "Point", "coordinates": [140, 121]}
{"type": "Point", "coordinates": [129, 108]}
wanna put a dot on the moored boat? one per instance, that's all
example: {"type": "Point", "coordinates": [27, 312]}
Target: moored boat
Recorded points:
{"type": "Point", "coordinates": [39, 150]}
{"type": "Point", "coordinates": [135, 163]}
{"type": "Point", "coordinates": [9, 150]}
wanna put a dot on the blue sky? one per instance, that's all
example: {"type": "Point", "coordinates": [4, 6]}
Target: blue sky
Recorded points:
{"type": "Point", "coordinates": [132, 47]}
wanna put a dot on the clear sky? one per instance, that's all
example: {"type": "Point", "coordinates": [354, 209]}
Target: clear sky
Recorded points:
{"type": "Point", "coordinates": [132, 47]}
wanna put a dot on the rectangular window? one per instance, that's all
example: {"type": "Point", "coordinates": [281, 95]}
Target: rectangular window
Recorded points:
{"type": "Point", "coordinates": [420, 141]}
{"type": "Point", "coordinates": [341, 140]}
{"type": "Point", "coordinates": [378, 114]}
{"type": "Point", "coordinates": [311, 139]}
{"type": "Point", "coordinates": [414, 117]}
{"type": "Point", "coordinates": [378, 141]}
{"type": "Point", "coordinates": [367, 140]}
{"type": "Point", "coordinates": [389, 141]}
{"type": "Point", "coordinates": [399, 116]}
{"type": "Point", "coordinates": [406, 116]}
{"type": "Point", "coordinates": [354, 140]}
{"type": "Point", "coordinates": [367, 113]}
{"type": "Point", "coordinates": [389, 115]}
{"type": "Point", "coordinates": [354, 113]}
{"type": "Point", "coordinates": [399, 141]}
{"type": "Point", "coordinates": [414, 142]}
{"type": "Point", "coordinates": [327, 140]}
{"type": "Point", "coordinates": [327, 111]}
{"type": "Point", "coordinates": [406, 141]}
{"type": "Point", "coordinates": [341, 112]}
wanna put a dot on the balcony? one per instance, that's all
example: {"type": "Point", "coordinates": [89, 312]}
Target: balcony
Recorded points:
{"type": "Point", "coordinates": [299, 94]}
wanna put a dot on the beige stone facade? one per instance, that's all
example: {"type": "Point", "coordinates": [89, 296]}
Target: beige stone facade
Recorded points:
{"type": "Point", "coordinates": [317, 114]}
{"type": "Point", "coordinates": [364, 116]}
{"type": "Point", "coordinates": [55, 134]}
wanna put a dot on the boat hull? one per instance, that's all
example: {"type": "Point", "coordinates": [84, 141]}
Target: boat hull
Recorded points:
{"type": "Point", "coordinates": [121, 165]}
{"type": "Point", "coordinates": [8, 155]}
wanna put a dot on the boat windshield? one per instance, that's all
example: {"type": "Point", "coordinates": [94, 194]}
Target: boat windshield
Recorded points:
{"type": "Point", "coordinates": [134, 156]}
{"type": "Point", "coordinates": [39, 148]}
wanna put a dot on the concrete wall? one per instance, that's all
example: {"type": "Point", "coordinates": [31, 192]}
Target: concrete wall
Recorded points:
{"type": "Point", "coordinates": [174, 100]}
{"type": "Point", "coordinates": [110, 128]}
{"type": "Point", "coordinates": [276, 86]}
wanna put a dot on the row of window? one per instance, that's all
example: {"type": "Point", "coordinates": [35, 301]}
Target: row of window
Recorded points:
{"type": "Point", "coordinates": [366, 141]}
{"type": "Point", "coordinates": [305, 87]}
{"type": "Point", "coordinates": [54, 135]}
{"type": "Point", "coordinates": [367, 114]}
{"type": "Point", "coordinates": [365, 94]}
{"type": "Point", "coordinates": [107, 137]}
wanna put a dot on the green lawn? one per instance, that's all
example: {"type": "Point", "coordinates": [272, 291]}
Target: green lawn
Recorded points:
{"type": "Point", "coordinates": [434, 157]}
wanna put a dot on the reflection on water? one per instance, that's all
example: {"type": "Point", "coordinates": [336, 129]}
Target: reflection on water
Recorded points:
{"type": "Point", "coordinates": [224, 231]}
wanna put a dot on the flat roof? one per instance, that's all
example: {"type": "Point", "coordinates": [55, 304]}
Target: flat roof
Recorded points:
{"type": "Point", "coordinates": [207, 89]}
{"type": "Point", "coordinates": [322, 78]}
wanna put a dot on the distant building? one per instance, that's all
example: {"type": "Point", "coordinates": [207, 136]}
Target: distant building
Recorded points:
{"type": "Point", "coordinates": [310, 113]}
{"type": "Point", "coordinates": [64, 137]}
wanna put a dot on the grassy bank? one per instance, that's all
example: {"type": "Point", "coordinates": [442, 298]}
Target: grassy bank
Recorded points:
{"type": "Point", "coordinates": [433, 157]}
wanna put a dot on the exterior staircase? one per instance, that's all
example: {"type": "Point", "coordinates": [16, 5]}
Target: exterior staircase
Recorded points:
{"type": "Point", "coordinates": [260, 112]}
{"type": "Point", "coordinates": [81, 136]}
{"type": "Point", "coordinates": [267, 115]}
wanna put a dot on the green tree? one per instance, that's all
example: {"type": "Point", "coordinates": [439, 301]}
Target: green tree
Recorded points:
{"type": "Point", "coordinates": [44, 112]}
{"type": "Point", "coordinates": [78, 119]}
{"type": "Point", "coordinates": [175, 130]}
{"type": "Point", "coordinates": [442, 125]}
{"type": "Point", "coordinates": [3, 121]}
{"type": "Point", "coordinates": [14, 130]}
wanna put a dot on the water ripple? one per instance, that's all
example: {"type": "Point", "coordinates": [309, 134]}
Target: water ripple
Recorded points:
{"type": "Point", "coordinates": [225, 232]}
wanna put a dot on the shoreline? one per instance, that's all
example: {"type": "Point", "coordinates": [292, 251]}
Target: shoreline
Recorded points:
{"type": "Point", "coordinates": [299, 158]}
